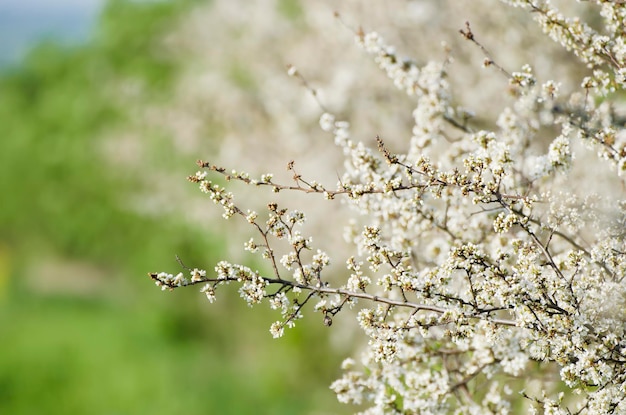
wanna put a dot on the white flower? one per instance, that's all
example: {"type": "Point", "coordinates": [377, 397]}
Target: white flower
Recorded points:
{"type": "Point", "coordinates": [327, 122]}
{"type": "Point", "coordinates": [209, 291]}
{"type": "Point", "coordinates": [277, 329]}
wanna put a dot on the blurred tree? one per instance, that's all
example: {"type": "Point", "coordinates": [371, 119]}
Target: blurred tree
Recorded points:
{"type": "Point", "coordinates": [78, 336]}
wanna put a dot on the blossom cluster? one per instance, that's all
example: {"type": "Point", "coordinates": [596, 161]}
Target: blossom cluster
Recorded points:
{"type": "Point", "coordinates": [485, 278]}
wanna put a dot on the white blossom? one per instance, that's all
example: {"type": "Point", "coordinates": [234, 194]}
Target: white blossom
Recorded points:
{"type": "Point", "coordinates": [487, 250]}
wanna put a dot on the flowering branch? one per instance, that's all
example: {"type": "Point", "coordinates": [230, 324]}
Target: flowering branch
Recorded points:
{"type": "Point", "coordinates": [471, 257]}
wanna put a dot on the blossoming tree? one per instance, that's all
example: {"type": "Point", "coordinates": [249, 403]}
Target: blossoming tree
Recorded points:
{"type": "Point", "coordinates": [488, 275]}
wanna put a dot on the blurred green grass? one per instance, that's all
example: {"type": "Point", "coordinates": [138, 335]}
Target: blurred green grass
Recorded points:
{"type": "Point", "coordinates": [82, 328]}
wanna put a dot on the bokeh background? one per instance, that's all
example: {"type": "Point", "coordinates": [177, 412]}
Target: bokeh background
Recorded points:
{"type": "Point", "coordinates": [104, 108]}
{"type": "Point", "coordinates": [82, 328]}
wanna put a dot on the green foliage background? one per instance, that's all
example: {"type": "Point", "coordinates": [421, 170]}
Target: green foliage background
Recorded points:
{"type": "Point", "coordinates": [82, 328]}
